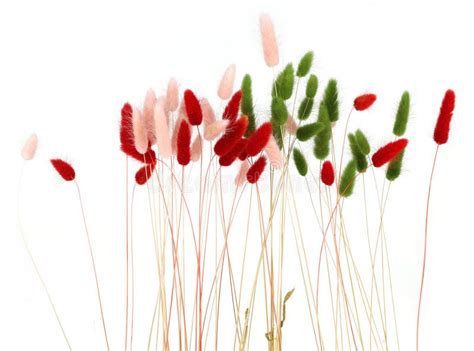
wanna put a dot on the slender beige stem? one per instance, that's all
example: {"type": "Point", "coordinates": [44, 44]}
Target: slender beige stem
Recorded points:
{"type": "Point", "coordinates": [93, 266]}
{"type": "Point", "coordinates": [425, 250]}
{"type": "Point", "coordinates": [35, 266]}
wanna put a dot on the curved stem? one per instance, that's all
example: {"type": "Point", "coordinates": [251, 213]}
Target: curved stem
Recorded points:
{"type": "Point", "coordinates": [35, 266]}
{"type": "Point", "coordinates": [424, 250]}
{"type": "Point", "coordinates": [93, 266]}
{"type": "Point", "coordinates": [126, 252]}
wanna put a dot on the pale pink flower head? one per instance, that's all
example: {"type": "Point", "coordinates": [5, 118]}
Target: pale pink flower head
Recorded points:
{"type": "Point", "coordinates": [214, 129]}
{"type": "Point", "coordinates": [172, 95]}
{"type": "Point", "coordinates": [242, 175]}
{"type": "Point", "coordinates": [29, 148]}
{"type": "Point", "coordinates": [291, 125]}
{"type": "Point", "coordinates": [196, 149]}
{"type": "Point", "coordinates": [163, 140]}
{"type": "Point", "coordinates": [148, 108]}
{"type": "Point", "coordinates": [208, 114]}
{"type": "Point", "coordinates": [139, 131]}
{"type": "Point", "coordinates": [274, 154]}
{"type": "Point", "coordinates": [269, 42]}
{"type": "Point", "coordinates": [227, 83]}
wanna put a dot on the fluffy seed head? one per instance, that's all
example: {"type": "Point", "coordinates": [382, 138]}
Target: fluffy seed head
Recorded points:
{"type": "Point", "coordinates": [279, 111]}
{"type": "Point", "coordinates": [241, 176]}
{"type": "Point", "coordinates": [227, 83]}
{"type": "Point", "coordinates": [148, 108]}
{"type": "Point", "coordinates": [64, 169]}
{"type": "Point", "coordinates": [232, 135]}
{"type": "Point", "coordinates": [256, 170]}
{"type": "Point", "coordinates": [284, 83]}
{"type": "Point", "coordinates": [305, 64]}
{"type": "Point", "coordinates": [357, 155]}
{"type": "Point", "coordinates": [174, 137]}
{"type": "Point", "coordinates": [388, 152]}
{"type": "Point", "coordinates": [274, 153]}
{"type": "Point", "coordinates": [207, 112]}
{"type": "Point", "coordinates": [172, 94]}
{"type": "Point", "coordinates": [162, 131]}
{"type": "Point", "coordinates": [259, 139]}
{"type": "Point", "coordinates": [403, 111]}
{"type": "Point", "coordinates": [291, 125]}
{"type": "Point", "coordinates": [305, 109]}
{"type": "Point", "coordinates": [269, 42]}
{"type": "Point", "coordinates": [126, 125]}
{"type": "Point", "coordinates": [196, 149]}
{"type": "Point", "coordinates": [323, 137]}
{"type": "Point", "coordinates": [362, 142]}
{"type": "Point", "coordinates": [193, 108]}
{"type": "Point", "coordinates": [139, 132]}
{"type": "Point", "coordinates": [232, 109]}
{"type": "Point", "coordinates": [148, 157]}
{"type": "Point", "coordinates": [246, 104]}
{"type": "Point", "coordinates": [214, 129]}
{"type": "Point", "coordinates": [327, 173]}
{"type": "Point", "coordinates": [184, 143]}
{"type": "Point", "coordinates": [363, 102]}
{"type": "Point", "coordinates": [331, 100]}
{"type": "Point", "coordinates": [229, 158]}
{"type": "Point", "coordinates": [441, 132]}
{"type": "Point", "coordinates": [243, 151]}
{"type": "Point", "coordinates": [309, 131]}
{"type": "Point", "coordinates": [300, 162]}
{"type": "Point", "coordinates": [144, 173]}
{"type": "Point", "coordinates": [312, 86]}
{"type": "Point", "coordinates": [348, 178]}
{"type": "Point", "coordinates": [29, 148]}
{"type": "Point", "coordinates": [394, 168]}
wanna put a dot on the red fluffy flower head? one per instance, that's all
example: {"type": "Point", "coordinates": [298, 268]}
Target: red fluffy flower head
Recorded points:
{"type": "Point", "coordinates": [193, 108]}
{"type": "Point", "coordinates": [441, 132]}
{"type": "Point", "coordinates": [363, 102]}
{"type": "Point", "coordinates": [327, 173]}
{"type": "Point", "coordinates": [64, 169]}
{"type": "Point", "coordinates": [256, 170]}
{"type": "Point", "coordinates": [388, 152]}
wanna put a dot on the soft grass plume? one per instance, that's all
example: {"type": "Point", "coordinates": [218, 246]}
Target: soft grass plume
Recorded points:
{"type": "Point", "coordinates": [401, 119]}
{"type": "Point", "coordinates": [305, 64]}
{"type": "Point", "coordinates": [321, 141]}
{"type": "Point", "coordinates": [274, 154]}
{"type": "Point", "coordinates": [277, 134]}
{"type": "Point", "coordinates": [279, 111]}
{"type": "Point", "coordinates": [443, 123]}
{"type": "Point", "coordinates": [358, 156]}
{"type": "Point", "coordinates": [331, 100]}
{"type": "Point", "coordinates": [246, 104]}
{"type": "Point", "coordinates": [29, 148]}
{"type": "Point", "coordinates": [312, 86]}
{"type": "Point", "coordinates": [308, 131]}
{"type": "Point", "coordinates": [300, 162]}
{"type": "Point", "coordinates": [394, 168]}
{"type": "Point", "coordinates": [305, 108]}
{"type": "Point", "coordinates": [347, 181]}
{"type": "Point", "coordinates": [388, 152]}
{"type": "Point", "coordinates": [283, 86]}
{"type": "Point", "coordinates": [226, 84]}
{"type": "Point", "coordinates": [269, 42]}
{"type": "Point", "coordinates": [362, 142]}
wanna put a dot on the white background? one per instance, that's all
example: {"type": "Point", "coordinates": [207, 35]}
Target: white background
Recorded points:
{"type": "Point", "coordinates": [67, 67]}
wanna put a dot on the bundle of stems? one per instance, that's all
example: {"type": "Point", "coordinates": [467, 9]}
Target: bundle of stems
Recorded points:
{"type": "Point", "coordinates": [226, 196]}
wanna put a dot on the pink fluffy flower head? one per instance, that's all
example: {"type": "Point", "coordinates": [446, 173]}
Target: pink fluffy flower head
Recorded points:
{"type": "Point", "coordinates": [269, 42]}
